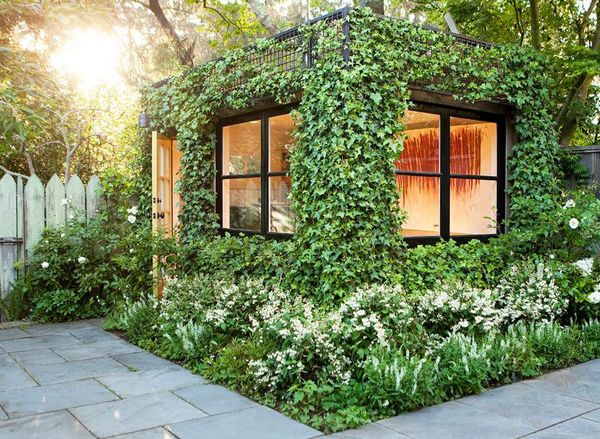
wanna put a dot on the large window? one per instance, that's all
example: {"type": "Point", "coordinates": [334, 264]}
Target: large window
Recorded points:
{"type": "Point", "coordinates": [254, 176]}
{"type": "Point", "coordinates": [450, 174]}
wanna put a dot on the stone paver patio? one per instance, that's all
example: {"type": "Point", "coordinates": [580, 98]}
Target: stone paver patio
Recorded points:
{"type": "Point", "coordinates": [75, 380]}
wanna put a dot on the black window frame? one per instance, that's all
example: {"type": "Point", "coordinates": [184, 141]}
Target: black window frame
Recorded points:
{"type": "Point", "coordinates": [445, 113]}
{"type": "Point", "coordinates": [264, 175]}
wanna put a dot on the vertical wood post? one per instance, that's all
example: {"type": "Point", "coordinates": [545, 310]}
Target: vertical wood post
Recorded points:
{"type": "Point", "coordinates": [8, 235]}
{"type": "Point", "coordinates": [75, 192]}
{"type": "Point", "coordinates": [93, 195]}
{"type": "Point", "coordinates": [34, 213]}
{"type": "Point", "coordinates": [55, 207]}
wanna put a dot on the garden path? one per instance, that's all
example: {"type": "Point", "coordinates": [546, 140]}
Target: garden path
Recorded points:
{"type": "Point", "coordinates": [75, 380]}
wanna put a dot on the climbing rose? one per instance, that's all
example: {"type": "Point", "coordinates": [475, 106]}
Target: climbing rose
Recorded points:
{"type": "Point", "coordinates": [595, 297]}
{"type": "Point", "coordinates": [569, 203]}
{"type": "Point", "coordinates": [45, 264]}
{"type": "Point", "coordinates": [131, 219]}
{"type": "Point", "coordinates": [81, 260]}
{"type": "Point", "coordinates": [573, 223]}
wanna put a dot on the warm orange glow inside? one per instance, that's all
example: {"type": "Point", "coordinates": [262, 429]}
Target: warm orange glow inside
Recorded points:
{"type": "Point", "coordinates": [473, 147]}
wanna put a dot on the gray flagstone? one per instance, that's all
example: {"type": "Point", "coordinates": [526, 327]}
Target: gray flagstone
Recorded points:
{"type": "Point", "coordinates": [74, 370]}
{"type": "Point", "coordinates": [12, 375]}
{"type": "Point", "coordinates": [56, 425]}
{"type": "Point", "coordinates": [150, 381]}
{"type": "Point", "coordinates": [133, 414]}
{"type": "Point", "coordinates": [42, 399]}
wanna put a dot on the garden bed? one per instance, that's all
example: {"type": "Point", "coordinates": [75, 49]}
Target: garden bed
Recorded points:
{"type": "Point", "coordinates": [453, 321]}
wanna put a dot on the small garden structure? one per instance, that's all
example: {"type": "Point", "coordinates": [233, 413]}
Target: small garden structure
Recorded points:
{"type": "Point", "coordinates": [312, 166]}
{"type": "Point", "coordinates": [370, 98]}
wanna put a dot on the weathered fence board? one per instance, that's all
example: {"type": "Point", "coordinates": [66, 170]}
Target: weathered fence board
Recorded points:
{"type": "Point", "coordinates": [75, 192]}
{"type": "Point", "coordinates": [589, 156]}
{"type": "Point", "coordinates": [8, 274]}
{"type": "Point", "coordinates": [8, 207]}
{"type": "Point", "coordinates": [55, 202]}
{"type": "Point", "coordinates": [93, 196]}
{"type": "Point", "coordinates": [26, 211]}
{"type": "Point", "coordinates": [34, 212]}
{"type": "Point", "coordinates": [8, 234]}
{"type": "Point", "coordinates": [20, 218]}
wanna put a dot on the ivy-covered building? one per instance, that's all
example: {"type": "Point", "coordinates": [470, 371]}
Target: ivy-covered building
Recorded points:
{"type": "Point", "coordinates": [354, 134]}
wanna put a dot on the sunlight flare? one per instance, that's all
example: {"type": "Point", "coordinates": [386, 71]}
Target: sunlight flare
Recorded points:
{"type": "Point", "coordinates": [90, 58]}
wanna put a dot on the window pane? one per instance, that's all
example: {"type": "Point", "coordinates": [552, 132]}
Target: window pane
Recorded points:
{"type": "Point", "coordinates": [280, 215]}
{"type": "Point", "coordinates": [472, 206]}
{"type": "Point", "coordinates": [241, 203]}
{"type": "Point", "coordinates": [473, 146]}
{"type": "Point", "coordinates": [280, 142]}
{"type": "Point", "coordinates": [420, 199]}
{"type": "Point", "coordinates": [421, 148]}
{"type": "Point", "coordinates": [241, 148]}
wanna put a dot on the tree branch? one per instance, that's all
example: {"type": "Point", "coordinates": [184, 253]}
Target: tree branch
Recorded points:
{"type": "Point", "coordinates": [16, 174]}
{"type": "Point", "coordinates": [259, 7]}
{"type": "Point", "coordinates": [535, 24]}
{"type": "Point", "coordinates": [226, 20]}
{"type": "Point", "coordinates": [185, 54]}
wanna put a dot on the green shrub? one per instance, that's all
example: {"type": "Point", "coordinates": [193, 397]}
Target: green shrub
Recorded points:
{"type": "Point", "coordinates": [59, 306]}
{"type": "Point", "coordinates": [100, 260]}
{"type": "Point", "coordinates": [231, 365]}
{"type": "Point", "coordinates": [234, 256]}
{"type": "Point", "coordinates": [140, 319]}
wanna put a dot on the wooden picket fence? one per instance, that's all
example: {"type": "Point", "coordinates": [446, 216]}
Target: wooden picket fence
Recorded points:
{"type": "Point", "coordinates": [25, 210]}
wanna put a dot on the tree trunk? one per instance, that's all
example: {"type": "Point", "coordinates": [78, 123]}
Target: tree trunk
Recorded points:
{"type": "Point", "coordinates": [535, 24]}
{"type": "Point", "coordinates": [259, 7]}
{"type": "Point", "coordinates": [568, 123]}
{"type": "Point", "coordinates": [67, 168]}
{"type": "Point", "coordinates": [185, 54]}
{"type": "Point", "coordinates": [377, 6]}
{"type": "Point", "coordinates": [29, 162]}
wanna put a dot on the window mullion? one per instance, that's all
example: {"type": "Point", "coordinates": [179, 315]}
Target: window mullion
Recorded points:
{"type": "Point", "coordinates": [445, 176]}
{"type": "Point", "coordinates": [264, 160]}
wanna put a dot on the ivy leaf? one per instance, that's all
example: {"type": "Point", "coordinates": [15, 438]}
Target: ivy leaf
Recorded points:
{"type": "Point", "coordinates": [376, 97]}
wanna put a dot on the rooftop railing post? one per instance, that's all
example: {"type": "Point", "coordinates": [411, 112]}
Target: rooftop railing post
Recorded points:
{"type": "Point", "coordinates": [346, 31]}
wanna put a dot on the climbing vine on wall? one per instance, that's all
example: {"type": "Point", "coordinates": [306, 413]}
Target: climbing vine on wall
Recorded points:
{"type": "Point", "coordinates": [343, 188]}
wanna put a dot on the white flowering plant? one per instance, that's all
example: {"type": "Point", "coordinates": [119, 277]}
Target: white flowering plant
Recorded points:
{"type": "Point", "coordinates": [528, 291]}
{"type": "Point", "coordinates": [574, 228]}
{"type": "Point", "coordinates": [92, 259]}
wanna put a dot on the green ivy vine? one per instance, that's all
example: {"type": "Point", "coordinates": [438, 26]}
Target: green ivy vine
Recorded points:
{"type": "Point", "coordinates": [343, 193]}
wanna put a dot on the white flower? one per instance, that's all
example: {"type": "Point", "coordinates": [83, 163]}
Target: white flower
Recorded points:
{"type": "Point", "coordinates": [552, 256]}
{"type": "Point", "coordinates": [131, 219]}
{"type": "Point", "coordinates": [65, 202]}
{"type": "Point", "coordinates": [463, 323]}
{"type": "Point", "coordinates": [62, 235]}
{"type": "Point", "coordinates": [81, 260]}
{"type": "Point", "coordinates": [45, 264]}
{"type": "Point", "coordinates": [151, 273]}
{"type": "Point", "coordinates": [130, 250]}
{"type": "Point", "coordinates": [569, 203]}
{"type": "Point", "coordinates": [573, 223]}
{"type": "Point", "coordinates": [585, 265]}
{"type": "Point", "coordinates": [594, 297]}
{"type": "Point", "coordinates": [133, 210]}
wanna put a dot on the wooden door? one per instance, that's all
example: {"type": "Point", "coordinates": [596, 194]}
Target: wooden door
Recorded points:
{"type": "Point", "coordinates": [165, 201]}
{"type": "Point", "coordinates": [162, 184]}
